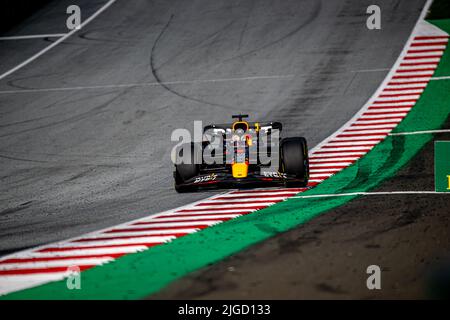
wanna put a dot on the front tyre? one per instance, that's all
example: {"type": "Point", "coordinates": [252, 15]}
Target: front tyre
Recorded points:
{"type": "Point", "coordinates": [294, 160]}
{"type": "Point", "coordinates": [186, 170]}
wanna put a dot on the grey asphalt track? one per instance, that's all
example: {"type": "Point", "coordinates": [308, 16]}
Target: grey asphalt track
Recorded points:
{"type": "Point", "coordinates": [85, 129]}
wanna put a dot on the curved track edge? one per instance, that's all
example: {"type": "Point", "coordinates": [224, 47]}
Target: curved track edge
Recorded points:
{"type": "Point", "coordinates": [250, 216]}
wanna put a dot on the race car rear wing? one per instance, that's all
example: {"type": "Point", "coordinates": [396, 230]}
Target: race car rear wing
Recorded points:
{"type": "Point", "coordinates": [253, 125]}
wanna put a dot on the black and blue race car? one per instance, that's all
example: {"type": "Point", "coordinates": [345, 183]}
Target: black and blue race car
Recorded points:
{"type": "Point", "coordinates": [242, 154]}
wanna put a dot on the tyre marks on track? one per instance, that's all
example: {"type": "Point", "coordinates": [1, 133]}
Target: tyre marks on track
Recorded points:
{"type": "Point", "coordinates": [392, 102]}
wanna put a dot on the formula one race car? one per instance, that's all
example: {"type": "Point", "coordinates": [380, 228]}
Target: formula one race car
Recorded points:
{"type": "Point", "coordinates": [241, 154]}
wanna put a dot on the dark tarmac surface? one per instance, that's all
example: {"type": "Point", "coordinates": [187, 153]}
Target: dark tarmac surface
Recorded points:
{"type": "Point", "coordinates": [85, 128]}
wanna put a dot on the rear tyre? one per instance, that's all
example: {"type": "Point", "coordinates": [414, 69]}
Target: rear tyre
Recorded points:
{"type": "Point", "coordinates": [186, 171]}
{"type": "Point", "coordinates": [294, 160]}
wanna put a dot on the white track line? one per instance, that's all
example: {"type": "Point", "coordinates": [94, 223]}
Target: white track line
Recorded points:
{"type": "Point", "coordinates": [34, 36]}
{"type": "Point", "coordinates": [151, 84]}
{"type": "Point", "coordinates": [419, 132]}
{"type": "Point", "coordinates": [440, 78]}
{"type": "Point", "coordinates": [350, 194]}
{"type": "Point", "coordinates": [370, 70]}
{"type": "Point", "coordinates": [54, 44]}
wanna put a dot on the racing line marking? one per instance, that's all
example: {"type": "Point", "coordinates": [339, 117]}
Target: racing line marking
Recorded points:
{"type": "Point", "coordinates": [373, 123]}
{"type": "Point", "coordinates": [419, 132]}
{"type": "Point", "coordinates": [151, 84]}
{"type": "Point", "coordinates": [35, 36]}
{"type": "Point", "coordinates": [440, 78]}
{"type": "Point", "coordinates": [369, 194]}
{"type": "Point", "coordinates": [157, 84]}
{"type": "Point", "coordinates": [54, 44]}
